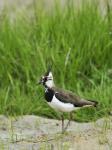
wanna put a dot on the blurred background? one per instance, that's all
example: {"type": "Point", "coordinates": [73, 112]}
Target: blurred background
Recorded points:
{"type": "Point", "coordinates": [72, 36]}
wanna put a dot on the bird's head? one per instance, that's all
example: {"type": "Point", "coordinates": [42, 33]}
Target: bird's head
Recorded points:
{"type": "Point", "coordinates": [47, 79]}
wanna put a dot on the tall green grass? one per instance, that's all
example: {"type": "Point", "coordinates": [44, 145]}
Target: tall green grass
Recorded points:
{"type": "Point", "coordinates": [76, 42]}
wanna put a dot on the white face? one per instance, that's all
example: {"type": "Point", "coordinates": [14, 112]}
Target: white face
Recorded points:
{"type": "Point", "coordinates": [49, 82]}
{"type": "Point", "coordinates": [50, 76]}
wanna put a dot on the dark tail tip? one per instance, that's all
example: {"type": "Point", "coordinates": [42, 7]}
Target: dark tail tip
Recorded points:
{"type": "Point", "coordinates": [95, 103]}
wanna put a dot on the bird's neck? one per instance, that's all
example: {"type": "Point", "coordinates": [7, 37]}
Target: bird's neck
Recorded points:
{"type": "Point", "coordinates": [49, 93]}
{"type": "Point", "coordinates": [50, 84]}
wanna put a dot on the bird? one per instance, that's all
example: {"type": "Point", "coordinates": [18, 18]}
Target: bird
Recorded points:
{"type": "Point", "coordinates": [62, 100]}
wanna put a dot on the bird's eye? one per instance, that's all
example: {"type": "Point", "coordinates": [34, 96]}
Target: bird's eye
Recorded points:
{"type": "Point", "coordinates": [45, 77]}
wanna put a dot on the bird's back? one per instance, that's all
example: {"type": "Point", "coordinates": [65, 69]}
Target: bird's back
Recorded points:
{"type": "Point", "coordinates": [70, 97]}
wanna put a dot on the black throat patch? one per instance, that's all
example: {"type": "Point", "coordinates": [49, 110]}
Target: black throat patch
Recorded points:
{"type": "Point", "coordinates": [49, 93]}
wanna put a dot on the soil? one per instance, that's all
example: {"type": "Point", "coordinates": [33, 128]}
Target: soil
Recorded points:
{"type": "Point", "coordinates": [32, 132]}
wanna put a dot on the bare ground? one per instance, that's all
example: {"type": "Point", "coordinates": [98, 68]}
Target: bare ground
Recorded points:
{"type": "Point", "coordinates": [36, 133]}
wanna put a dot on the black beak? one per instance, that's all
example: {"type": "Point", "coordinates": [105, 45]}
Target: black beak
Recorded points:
{"type": "Point", "coordinates": [41, 81]}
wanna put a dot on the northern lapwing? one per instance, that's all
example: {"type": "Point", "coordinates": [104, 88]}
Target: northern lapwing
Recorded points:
{"type": "Point", "coordinates": [62, 100]}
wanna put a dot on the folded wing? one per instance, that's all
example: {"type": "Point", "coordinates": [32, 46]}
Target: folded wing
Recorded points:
{"type": "Point", "coordinates": [69, 97]}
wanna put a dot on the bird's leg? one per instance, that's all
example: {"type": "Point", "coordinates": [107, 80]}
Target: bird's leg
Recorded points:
{"type": "Point", "coordinates": [70, 118]}
{"type": "Point", "coordinates": [62, 118]}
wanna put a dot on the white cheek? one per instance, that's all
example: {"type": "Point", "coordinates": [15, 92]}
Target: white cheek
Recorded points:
{"type": "Point", "coordinates": [50, 75]}
{"type": "Point", "coordinates": [50, 83]}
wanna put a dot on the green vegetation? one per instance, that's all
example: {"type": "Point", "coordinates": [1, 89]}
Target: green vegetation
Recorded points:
{"type": "Point", "coordinates": [78, 44]}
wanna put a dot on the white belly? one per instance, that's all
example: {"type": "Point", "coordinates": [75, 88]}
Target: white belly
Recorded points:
{"type": "Point", "coordinates": [60, 106]}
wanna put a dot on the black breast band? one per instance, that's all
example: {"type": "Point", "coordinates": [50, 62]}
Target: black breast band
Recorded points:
{"type": "Point", "coordinates": [49, 93]}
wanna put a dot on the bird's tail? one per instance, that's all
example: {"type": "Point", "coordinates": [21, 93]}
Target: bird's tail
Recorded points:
{"type": "Point", "coordinates": [95, 103]}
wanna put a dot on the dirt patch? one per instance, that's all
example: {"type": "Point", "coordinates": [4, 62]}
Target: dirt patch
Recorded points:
{"type": "Point", "coordinates": [33, 132]}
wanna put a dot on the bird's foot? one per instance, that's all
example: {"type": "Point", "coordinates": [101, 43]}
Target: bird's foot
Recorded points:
{"type": "Point", "coordinates": [65, 128]}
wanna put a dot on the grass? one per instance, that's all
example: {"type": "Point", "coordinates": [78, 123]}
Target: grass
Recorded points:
{"type": "Point", "coordinates": [77, 43]}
